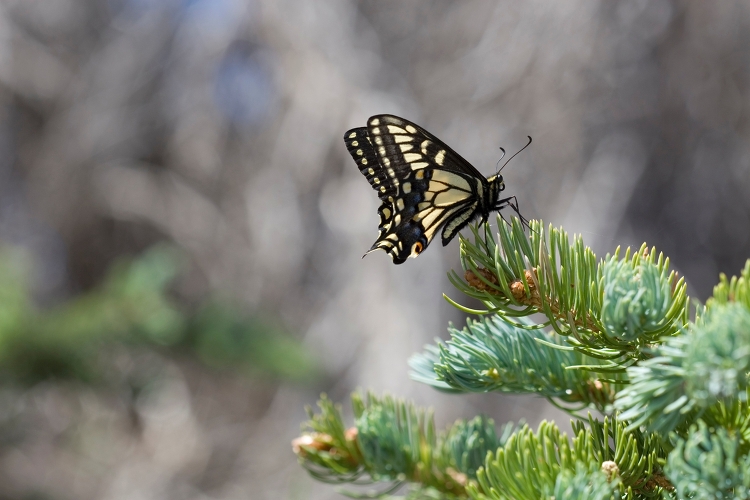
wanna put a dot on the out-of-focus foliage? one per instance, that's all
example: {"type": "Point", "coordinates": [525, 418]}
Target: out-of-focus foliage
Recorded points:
{"type": "Point", "coordinates": [131, 307]}
{"type": "Point", "coordinates": [224, 338]}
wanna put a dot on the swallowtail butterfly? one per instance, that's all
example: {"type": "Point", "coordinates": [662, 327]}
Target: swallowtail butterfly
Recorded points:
{"type": "Point", "coordinates": [423, 185]}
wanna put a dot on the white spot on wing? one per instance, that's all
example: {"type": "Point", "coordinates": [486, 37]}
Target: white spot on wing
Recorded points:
{"type": "Point", "coordinates": [375, 122]}
{"type": "Point", "coordinates": [352, 135]}
{"type": "Point", "coordinates": [406, 147]}
{"type": "Point", "coordinates": [411, 129]}
{"type": "Point", "coordinates": [412, 157]}
{"type": "Point", "coordinates": [440, 157]}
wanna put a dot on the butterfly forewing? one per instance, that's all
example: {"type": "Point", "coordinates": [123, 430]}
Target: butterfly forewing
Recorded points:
{"type": "Point", "coordinates": [358, 143]}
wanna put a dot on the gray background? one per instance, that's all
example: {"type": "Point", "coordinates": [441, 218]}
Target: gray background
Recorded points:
{"type": "Point", "coordinates": [218, 124]}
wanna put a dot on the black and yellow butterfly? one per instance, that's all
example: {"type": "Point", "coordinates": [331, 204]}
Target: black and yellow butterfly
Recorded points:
{"type": "Point", "coordinates": [423, 184]}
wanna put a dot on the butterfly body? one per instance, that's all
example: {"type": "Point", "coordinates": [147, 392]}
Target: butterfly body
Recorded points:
{"type": "Point", "coordinates": [424, 186]}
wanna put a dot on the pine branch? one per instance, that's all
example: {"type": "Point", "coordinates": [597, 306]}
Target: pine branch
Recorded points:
{"type": "Point", "coordinates": [493, 355]}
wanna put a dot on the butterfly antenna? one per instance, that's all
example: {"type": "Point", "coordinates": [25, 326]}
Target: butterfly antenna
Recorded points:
{"type": "Point", "coordinates": [526, 146]}
{"type": "Point", "coordinates": [501, 159]}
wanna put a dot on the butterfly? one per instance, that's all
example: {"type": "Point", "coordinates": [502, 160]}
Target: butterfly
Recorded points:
{"type": "Point", "coordinates": [424, 186]}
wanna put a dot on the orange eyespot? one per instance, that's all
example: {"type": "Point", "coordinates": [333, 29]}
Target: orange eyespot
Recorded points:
{"type": "Point", "coordinates": [417, 248]}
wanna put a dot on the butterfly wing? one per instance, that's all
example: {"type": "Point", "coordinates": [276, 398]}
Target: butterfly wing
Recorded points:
{"type": "Point", "coordinates": [424, 185]}
{"type": "Point", "coordinates": [358, 144]}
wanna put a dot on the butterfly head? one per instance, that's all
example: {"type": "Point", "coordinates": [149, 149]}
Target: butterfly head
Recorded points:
{"type": "Point", "coordinates": [496, 185]}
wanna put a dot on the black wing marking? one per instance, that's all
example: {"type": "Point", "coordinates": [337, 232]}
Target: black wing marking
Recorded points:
{"type": "Point", "coordinates": [358, 143]}
{"type": "Point", "coordinates": [401, 145]}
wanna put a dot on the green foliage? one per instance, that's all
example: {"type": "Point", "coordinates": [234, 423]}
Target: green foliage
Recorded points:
{"type": "Point", "coordinates": [466, 444]}
{"type": "Point", "coordinates": [635, 453]}
{"type": "Point", "coordinates": [224, 338]}
{"type": "Point", "coordinates": [736, 289]}
{"type": "Point", "coordinates": [636, 300]}
{"type": "Point", "coordinates": [329, 453]}
{"type": "Point", "coordinates": [588, 303]}
{"type": "Point", "coordinates": [707, 364]}
{"type": "Point", "coordinates": [494, 355]}
{"type": "Point", "coordinates": [717, 355]}
{"type": "Point", "coordinates": [613, 335]}
{"type": "Point", "coordinates": [710, 465]}
{"type": "Point", "coordinates": [133, 308]}
{"type": "Point", "coordinates": [583, 484]}
{"type": "Point", "coordinates": [395, 442]}
{"type": "Point", "coordinates": [529, 464]}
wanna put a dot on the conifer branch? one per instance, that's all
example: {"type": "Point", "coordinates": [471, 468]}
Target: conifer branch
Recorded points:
{"type": "Point", "coordinates": [393, 443]}
{"type": "Point", "coordinates": [710, 464]}
{"type": "Point", "coordinates": [493, 355]}
{"type": "Point", "coordinates": [614, 310]}
{"type": "Point", "coordinates": [681, 388]}
{"type": "Point", "coordinates": [692, 372]}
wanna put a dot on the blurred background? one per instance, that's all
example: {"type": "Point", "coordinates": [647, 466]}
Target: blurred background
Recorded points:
{"type": "Point", "coordinates": [181, 226]}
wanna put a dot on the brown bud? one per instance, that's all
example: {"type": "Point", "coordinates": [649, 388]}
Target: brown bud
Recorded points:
{"type": "Point", "coordinates": [316, 441]}
{"type": "Point", "coordinates": [475, 282]}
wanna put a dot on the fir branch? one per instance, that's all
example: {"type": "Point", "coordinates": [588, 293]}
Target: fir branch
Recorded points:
{"type": "Point", "coordinates": [733, 415]}
{"type": "Point", "coordinates": [532, 465]}
{"type": "Point", "coordinates": [733, 290]}
{"type": "Point", "coordinates": [493, 355]}
{"type": "Point", "coordinates": [613, 310]}
{"type": "Point", "coordinates": [709, 465]}
{"type": "Point", "coordinates": [634, 453]}
{"type": "Point", "coordinates": [329, 452]}
{"type": "Point", "coordinates": [691, 372]}
{"type": "Point", "coordinates": [582, 484]}
{"type": "Point", "coordinates": [466, 445]}
{"type": "Point", "coordinates": [393, 443]}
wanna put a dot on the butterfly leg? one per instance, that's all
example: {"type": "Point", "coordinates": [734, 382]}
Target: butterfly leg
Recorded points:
{"type": "Point", "coordinates": [512, 202]}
